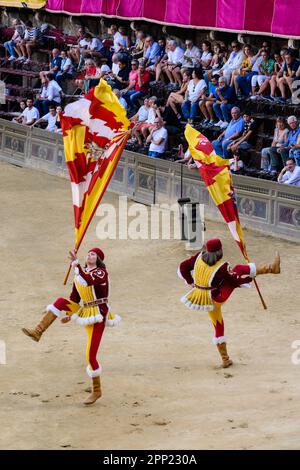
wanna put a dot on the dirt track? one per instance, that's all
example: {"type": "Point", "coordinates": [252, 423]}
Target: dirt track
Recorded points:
{"type": "Point", "coordinates": [162, 386]}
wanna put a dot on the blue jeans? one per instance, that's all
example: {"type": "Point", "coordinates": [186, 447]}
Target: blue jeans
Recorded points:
{"type": "Point", "coordinates": [244, 146]}
{"type": "Point", "coordinates": [132, 97]}
{"type": "Point", "coordinates": [222, 111]}
{"type": "Point", "coordinates": [153, 154]}
{"type": "Point", "coordinates": [221, 147]}
{"type": "Point", "coordinates": [244, 82]}
{"type": "Point", "coordinates": [10, 47]}
{"type": "Point", "coordinates": [190, 110]}
{"type": "Point", "coordinates": [61, 76]}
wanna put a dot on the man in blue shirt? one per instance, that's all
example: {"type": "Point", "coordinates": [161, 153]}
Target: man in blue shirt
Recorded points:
{"type": "Point", "coordinates": [225, 99]}
{"type": "Point", "coordinates": [291, 141]}
{"type": "Point", "coordinates": [54, 65]}
{"type": "Point", "coordinates": [152, 52]}
{"type": "Point", "coordinates": [287, 75]}
{"type": "Point", "coordinates": [233, 131]}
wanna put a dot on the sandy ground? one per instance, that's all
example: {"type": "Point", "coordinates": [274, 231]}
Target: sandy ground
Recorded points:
{"type": "Point", "coordinates": [162, 385]}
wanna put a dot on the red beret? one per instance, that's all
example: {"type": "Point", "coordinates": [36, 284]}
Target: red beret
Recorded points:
{"type": "Point", "coordinates": [98, 252]}
{"type": "Point", "coordinates": [214, 244]}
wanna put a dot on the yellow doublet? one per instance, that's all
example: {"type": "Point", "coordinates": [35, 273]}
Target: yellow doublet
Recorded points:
{"type": "Point", "coordinates": [200, 299]}
{"type": "Point", "coordinates": [87, 294]}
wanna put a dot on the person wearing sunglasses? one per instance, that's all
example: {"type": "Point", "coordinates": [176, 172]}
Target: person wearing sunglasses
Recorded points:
{"type": "Point", "coordinates": [234, 61]}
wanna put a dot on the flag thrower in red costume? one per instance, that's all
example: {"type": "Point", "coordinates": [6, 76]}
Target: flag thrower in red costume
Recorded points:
{"type": "Point", "coordinates": [95, 130]}
{"type": "Point", "coordinates": [88, 306]}
{"type": "Point", "coordinates": [213, 281]}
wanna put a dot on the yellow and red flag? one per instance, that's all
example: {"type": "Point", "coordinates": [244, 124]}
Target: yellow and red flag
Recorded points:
{"type": "Point", "coordinates": [97, 121]}
{"type": "Point", "coordinates": [217, 178]}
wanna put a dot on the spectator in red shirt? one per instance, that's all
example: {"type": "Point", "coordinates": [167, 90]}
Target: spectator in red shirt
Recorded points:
{"type": "Point", "coordinates": [138, 87]}
{"type": "Point", "coordinates": [88, 73]}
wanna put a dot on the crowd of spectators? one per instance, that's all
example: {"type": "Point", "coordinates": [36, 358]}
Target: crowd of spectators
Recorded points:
{"type": "Point", "coordinates": [164, 84]}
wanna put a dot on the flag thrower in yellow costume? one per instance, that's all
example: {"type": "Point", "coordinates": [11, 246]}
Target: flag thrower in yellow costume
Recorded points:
{"type": "Point", "coordinates": [213, 282]}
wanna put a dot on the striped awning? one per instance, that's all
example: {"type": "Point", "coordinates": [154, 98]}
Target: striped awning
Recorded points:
{"type": "Point", "coordinates": [34, 4]}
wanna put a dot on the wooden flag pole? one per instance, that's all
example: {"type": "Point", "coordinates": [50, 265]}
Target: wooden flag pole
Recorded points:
{"type": "Point", "coordinates": [67, 275]}
{"type": "Point", "coordinates": [69, 270]}
{"type": "Point", "coordinates": [260, 296]}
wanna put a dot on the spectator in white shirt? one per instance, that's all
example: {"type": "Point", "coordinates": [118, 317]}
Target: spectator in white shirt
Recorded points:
{"type": "Point", "coordinates": [50, 118]}
{"type": "Point", "coordinates": [50, 94]}
{"type": "Point", "coordinates": [30, 114]}
{"type": "Point", "coordinates": [191, 56]}
{"type": "Point", "coordinates": [195, 92]}
{"type": "Point", "coordinates": [290, 174]}
{"type": "Point", "coordinates": [121, 41]}
{"type": "Point", "coordinates": [146, 126]}
{"type": "Point", "coordinates": [94, 45]}
{"type": "Point", "coordinates": [233, 63]}
{"type": "Point", "coordinates": [157, 139]}
{"type": "Point", "coordinates": [15, 40]}
{"type": "Point", "coordinates": [206, 56]}
{"type": "Point", "coordinates": [32, 39]}
{"type": "Point", "coordinates": [66, 68]}
{"type": "Point", "coordinates": [140, 118]}
{"type": "Point", "coordinates": [174, 61]}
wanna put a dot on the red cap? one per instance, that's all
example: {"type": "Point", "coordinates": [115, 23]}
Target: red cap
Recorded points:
{"type": "Point", "coordinates": [98, 252]}
{"type": "Point", "coordinates": [214, 244]}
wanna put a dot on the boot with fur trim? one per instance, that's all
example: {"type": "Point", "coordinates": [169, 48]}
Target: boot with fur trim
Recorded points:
{"type": "Point", "coordinates": [42, 326]}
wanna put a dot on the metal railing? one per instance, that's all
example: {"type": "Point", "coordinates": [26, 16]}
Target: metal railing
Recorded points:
{"type": "Point", "coordinates": [263, 205]}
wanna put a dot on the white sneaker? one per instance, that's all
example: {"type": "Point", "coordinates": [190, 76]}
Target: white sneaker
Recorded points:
{"type": "Point", "coordinates": [219, 124]}
{"type": "Point", "coordinates": [224, 125]}
{"type": "Point", "coordinates": [254, 97]}
{"type": "Point", "coordinates": [20, 59]}
{"type": "Point", "coordinates": [27, 61]}
{"type": "Point", "coordinates": [11, 58]}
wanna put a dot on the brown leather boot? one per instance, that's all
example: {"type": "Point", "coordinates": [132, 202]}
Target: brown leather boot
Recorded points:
{"type": "Point", "coordinates": [96, 392]}
{"type": "Point", "coordinates": [42, 326]}
{"type": "Point", "coordinates": [226, 362]}
{"type": "Point", "coordinates": [273, 268]}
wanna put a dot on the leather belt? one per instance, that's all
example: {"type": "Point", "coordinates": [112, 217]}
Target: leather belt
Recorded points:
{"type": "Point", "coordinates": [204, 288]}
{"type": "Point", "coordinates": [94, 303]}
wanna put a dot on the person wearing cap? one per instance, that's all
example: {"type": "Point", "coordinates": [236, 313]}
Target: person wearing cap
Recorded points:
{"type": "Point", "coordinates": [86, 306]}
{"type": "Point", "coordinates": [213, 282]}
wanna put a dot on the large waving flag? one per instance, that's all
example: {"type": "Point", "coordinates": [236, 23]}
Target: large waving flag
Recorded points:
{"type": "Point", "coordinates": [217, 178]}
{"type": "Point", "coordinates": [95, 131]}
